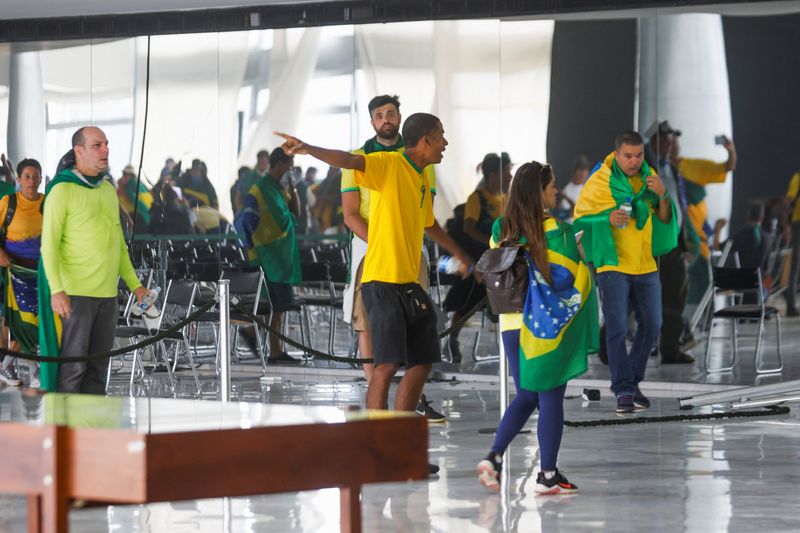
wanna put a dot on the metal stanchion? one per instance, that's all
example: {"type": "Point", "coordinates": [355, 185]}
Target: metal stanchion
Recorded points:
{"type": "Point", "coordinates": [223, 293]}
{"type": "Point", "coordinates": [503, 373]}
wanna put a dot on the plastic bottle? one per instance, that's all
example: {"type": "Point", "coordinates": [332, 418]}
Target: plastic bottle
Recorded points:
{"type": "Point", "coordinates": [448, 264]}
{"type": "Point", "coordinates": [150, 298]}
{"type": "Point", "coordinates": [626, 208]}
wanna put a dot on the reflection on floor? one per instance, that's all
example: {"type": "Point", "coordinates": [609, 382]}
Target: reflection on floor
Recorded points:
{"type": "Point", "coordinates": [712, 476]}
{"type": "Point", "coordinates": [699, 475]}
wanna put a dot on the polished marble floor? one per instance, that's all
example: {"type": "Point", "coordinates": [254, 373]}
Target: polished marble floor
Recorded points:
{"type": "Point", "coordinates": [734, 475]}
{"type": "Point", "coordinates": [737, 475]}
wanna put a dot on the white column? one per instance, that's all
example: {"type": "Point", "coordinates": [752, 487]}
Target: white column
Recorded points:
{"type": "Point", "coordinates": [27, 127]}
{"type": "Point", "coordinates": [683, 78]}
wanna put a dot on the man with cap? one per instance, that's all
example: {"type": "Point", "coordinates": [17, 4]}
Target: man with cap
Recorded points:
{"type": "Point", "coordinates": [696, 174]}
{"type": "Point", "coordinates": [672, 265]}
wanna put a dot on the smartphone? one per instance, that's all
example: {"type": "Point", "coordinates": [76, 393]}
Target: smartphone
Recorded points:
{"type": "Point", "coordinates": [719, 139]}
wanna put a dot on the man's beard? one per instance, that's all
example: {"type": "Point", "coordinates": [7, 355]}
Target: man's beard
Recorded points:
{"type": "Point", "coordinates": [390, 135]}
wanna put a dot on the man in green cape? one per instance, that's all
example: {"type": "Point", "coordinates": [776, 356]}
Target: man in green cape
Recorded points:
{"type": "Point", "coordinates": [621, 244]}
{"type": "Point", "coordinates": [83, 255]}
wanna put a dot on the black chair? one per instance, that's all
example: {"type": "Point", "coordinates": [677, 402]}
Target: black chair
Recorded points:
{"type": "Point", "coordinates": [733, 283]}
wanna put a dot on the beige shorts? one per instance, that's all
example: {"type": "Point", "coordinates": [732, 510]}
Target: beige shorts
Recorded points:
{"type": "Point", "coordinates": [360, 322]}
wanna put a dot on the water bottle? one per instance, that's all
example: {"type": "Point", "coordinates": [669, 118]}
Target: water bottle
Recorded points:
{"type": "Point", "coordinates": [146, 307]}
{"type": "Point", "coordinates": [448, 265]}
{"type": "Point", "coordinates": [626, 208]}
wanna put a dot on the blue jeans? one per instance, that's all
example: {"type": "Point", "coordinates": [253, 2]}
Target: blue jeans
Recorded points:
{"type": "Point", "coordinates": [619, 293]}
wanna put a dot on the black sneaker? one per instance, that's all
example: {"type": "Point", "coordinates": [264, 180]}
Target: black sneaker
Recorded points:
{"type": "Point", "coordinates": [680, 358]}
{"type": "Point", "coordinates": [625, 403]}
{"type": "Point", "coordinates": [9, 376]}
{"type": "Point", "coordinates": [283, 358]}
{"type": "Point", "coordinates": [557, 484]}
{"type": "Point", "coordinates": [489, 471]}
{"type": "Point", "coordinates": [424, 408]}
{"type": "Point", "coordinates": [455, 348]}
{"type": "Point", "coordinates": [640, 401]}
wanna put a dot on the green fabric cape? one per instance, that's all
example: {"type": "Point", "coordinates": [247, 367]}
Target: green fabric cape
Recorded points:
{"type": "Point", "coordinates": [49, 338]}
{"type": "Point", "coordinates": [598, 241]}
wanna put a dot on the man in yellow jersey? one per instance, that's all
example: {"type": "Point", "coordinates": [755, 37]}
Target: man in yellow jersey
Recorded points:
{"type": "Point", "coordinates": [621, 209]}
{"type": "Point", "coordinates": [385, 119]}
{"type": "Point", "coordinates": [792, 196]}
{"type": "Point", "coordinates": [400, 313]}
{"type": "Point", "coordinates": [697, 174]}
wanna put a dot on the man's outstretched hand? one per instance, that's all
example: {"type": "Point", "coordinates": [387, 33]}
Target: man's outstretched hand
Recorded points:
{"type": "Point", "coordinates": [292, 145]}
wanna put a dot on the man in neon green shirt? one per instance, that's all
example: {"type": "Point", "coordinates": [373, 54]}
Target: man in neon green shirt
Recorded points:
{"type": "Point", "coordinates": [83, 254]}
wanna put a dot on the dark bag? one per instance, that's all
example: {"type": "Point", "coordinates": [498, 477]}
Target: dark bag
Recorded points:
{"type": "Point", "coordinates": [416, 302]}
{"type": "Point", "coordinates": [505, 273]}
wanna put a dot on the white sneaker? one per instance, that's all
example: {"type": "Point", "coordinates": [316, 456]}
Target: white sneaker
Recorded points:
{"type": "Point", "coordinates": [9, 377]}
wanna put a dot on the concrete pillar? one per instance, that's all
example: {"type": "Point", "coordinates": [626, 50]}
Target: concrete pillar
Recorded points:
{"type": "Point", "coordinates": [27, 126]}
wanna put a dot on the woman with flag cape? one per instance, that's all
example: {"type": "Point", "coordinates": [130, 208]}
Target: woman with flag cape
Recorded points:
{"type": "Point", "coordinates": [547, 344]}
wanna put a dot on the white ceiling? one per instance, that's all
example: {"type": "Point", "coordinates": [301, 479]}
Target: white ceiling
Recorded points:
{"type": "Point", "coordinates": [22, 9]}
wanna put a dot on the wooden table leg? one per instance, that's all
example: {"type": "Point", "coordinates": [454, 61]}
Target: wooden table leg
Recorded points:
{"type": "Point", "coordinates": [350, 509]}
{"type": "Point", "coordinates": [53, 501]}
{"type": "Point", "coordinates": [34, 513]}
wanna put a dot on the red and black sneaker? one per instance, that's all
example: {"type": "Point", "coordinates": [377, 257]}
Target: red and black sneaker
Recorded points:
{"type": "Point", "coordinates": [557, 484]}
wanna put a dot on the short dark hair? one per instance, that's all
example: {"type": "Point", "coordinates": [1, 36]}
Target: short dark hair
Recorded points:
{"type": "Point", "coordinates": [755, 213]}
{"type": "Point", "coordinates": [28, 163]}
{"type": "Point", "coordinates": [78, 138]}
{"type": "Point", "coordinates": [581, 163]}
{"type": "Point", "coordinates": [277, 156]}
{"type": "Point", "coordinates": [492, 163]}
{"type": "Point", "coordinates": [262, 153]}
{"type": "Point", "coordinates": [630, 138]}
{"type": "Point", "coordinates": [382, 100]}
{"type": "Point", "coordinates": [417, 126]}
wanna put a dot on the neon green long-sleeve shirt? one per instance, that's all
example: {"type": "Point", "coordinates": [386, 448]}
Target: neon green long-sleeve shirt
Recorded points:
{"type": "Point", "coordinates": [83, 248]}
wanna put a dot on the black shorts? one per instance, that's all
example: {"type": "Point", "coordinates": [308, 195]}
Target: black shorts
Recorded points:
{"type": "Point", "coordinates": [281, 295]}
{"type": "Point", "coordinates": [402, 322]}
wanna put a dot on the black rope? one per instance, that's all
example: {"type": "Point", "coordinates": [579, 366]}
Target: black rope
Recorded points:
{"type": "Point", "coordinates": [322, 355]}
{"type": "Point", "coordinates": [127, 349]}
{"type": "Point", "coordinates": [769, 411]}
{"type": "Point", "coordinates": [144, 138]}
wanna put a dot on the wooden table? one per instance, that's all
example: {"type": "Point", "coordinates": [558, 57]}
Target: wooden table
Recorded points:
{"type": "Point", "coordinates": [114, 450]}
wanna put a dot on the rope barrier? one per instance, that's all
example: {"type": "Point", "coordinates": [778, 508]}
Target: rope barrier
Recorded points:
{"type": "Point", "coordinates": [769, 411]}
{"type": "Point", "coordinates": [131, 347]}
{"type": "Point", "coordinates": [355, 361]}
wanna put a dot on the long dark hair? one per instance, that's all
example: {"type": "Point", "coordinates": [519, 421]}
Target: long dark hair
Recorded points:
{"type": "Point", "coordinates": [524, 214]}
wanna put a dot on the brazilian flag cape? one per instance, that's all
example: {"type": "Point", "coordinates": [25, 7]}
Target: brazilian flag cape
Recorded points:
{"type": "Point", "coordinates": [560, 319]}
{"type": "Point", "coordinates": [49, 322]}
{"type": "Point", "coordinates": [609, 188]}
{"type": "Point", "coordinates": [143, 201]}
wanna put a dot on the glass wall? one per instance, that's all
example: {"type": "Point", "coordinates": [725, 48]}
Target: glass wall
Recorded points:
{"type": "Point", "coordinates": [544, 89]}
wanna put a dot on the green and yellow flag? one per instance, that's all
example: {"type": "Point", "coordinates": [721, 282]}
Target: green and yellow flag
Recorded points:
{"type": "Point", "coordinates": [609, 189]}
{"type": "Point", "coordinates": [560, 319]}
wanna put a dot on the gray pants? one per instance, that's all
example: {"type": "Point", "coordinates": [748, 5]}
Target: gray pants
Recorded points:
{"type": "Point", "coordinates": [90, 330]}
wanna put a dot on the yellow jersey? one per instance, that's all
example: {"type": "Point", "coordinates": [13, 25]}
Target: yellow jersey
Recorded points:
{"type": "Point", "coordinates": [349, 184]}
{"type": "Point", "coordinates": [401, 207]}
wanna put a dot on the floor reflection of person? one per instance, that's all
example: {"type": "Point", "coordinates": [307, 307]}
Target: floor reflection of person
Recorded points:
{"type": "Point", "coordinates": [547, 344]}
